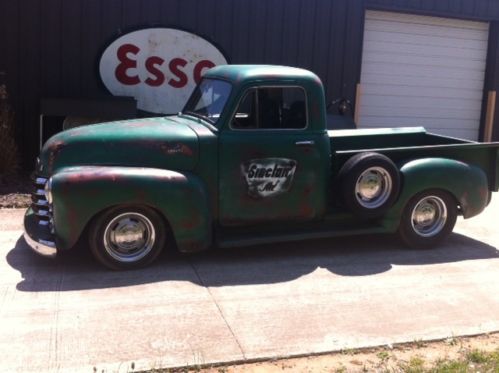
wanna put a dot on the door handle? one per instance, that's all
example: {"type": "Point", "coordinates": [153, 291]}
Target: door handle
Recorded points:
{"type": "Point", "coordinates": [305, 143]}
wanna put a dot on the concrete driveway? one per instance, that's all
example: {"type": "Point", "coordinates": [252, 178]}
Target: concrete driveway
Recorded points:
{"type": "Point", "coordinates": [258, 302]}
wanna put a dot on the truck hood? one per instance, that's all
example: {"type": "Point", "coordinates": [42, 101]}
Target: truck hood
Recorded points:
{"type": "Point", "coordinates": [166, 143]}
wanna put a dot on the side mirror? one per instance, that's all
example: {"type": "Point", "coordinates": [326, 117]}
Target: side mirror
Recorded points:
{"type": "Point", "coordinates": [342, 104]}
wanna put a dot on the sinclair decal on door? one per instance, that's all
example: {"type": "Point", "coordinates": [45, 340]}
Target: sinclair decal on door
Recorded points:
{"type": "Point", "coordinates": [158, 66]}
{"type": "Point", "coordinates": [268, 177]}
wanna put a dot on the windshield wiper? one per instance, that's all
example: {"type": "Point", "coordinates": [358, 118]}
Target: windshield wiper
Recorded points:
{"type": "Point", "coordinates": [197, 115]}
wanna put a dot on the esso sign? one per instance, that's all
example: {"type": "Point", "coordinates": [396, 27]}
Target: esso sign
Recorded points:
{"type": "Point", "coordinates": [158, 66]}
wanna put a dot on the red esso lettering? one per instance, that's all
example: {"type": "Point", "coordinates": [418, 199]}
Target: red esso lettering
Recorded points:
{"type": "Point", "coordinates": [152, 65]}
{"type": "Point", "coordinates": [200, 66]}
{"type": "Point", "coordinates": [126, 71]}
{"type": "Point", "coordinates": [181, 79]}
{"type": "Point", "coordinates": [126, 63]}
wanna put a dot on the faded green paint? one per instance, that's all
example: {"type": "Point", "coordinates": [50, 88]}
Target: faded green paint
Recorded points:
{"type": "Point", "coordinates": [243, 77]}
{"type": "Point", "coordinates": [82, 192]}
{"type": "Point", "coordinates": [307, 198]}
{"type": "Point", "coordinates": [467, 183]}
{"type": "Point", "coordinates": [193, 172]}
{"type": "Point", "coordinates": [158, 143]}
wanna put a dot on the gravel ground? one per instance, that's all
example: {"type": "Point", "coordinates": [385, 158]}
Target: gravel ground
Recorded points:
{"type": "Point", "coordinates": [15, 191]}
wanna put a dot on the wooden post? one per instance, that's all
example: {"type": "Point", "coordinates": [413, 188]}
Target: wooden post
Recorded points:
{"type": "Point", "coordinates": [358, 95]}
{"type": "Point", "coordinates": [489, 116]}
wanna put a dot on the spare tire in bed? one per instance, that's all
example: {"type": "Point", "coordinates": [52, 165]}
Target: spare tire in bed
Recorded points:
{"type": "Point", "coordinates": [369, 184]}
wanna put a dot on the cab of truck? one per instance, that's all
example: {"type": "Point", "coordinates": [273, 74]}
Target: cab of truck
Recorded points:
{"type": "Point", "coordinates": [273, 148]}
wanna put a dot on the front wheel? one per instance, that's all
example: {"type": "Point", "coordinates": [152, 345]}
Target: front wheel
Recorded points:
{"type": "Point", "coordinates": [127, 237]}
{"type": "Point", "coordinates": [428, 218]}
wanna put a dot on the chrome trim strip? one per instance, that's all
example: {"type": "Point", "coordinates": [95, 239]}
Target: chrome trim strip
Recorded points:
{"type": "Point", "coordinates": [41, 247]}
{"type": "Point", "coordinates": [40, 181]}
{"type": "Point", "coordinates": [50, 244]}
{"type": "Point", "coordinates": [40, 192]}
{"type": "Point", "coordinates": [41, 202]}
{"type": "Point", "coordinates": [43, 213]}
{"type": "Point", "coordinates": [305, 143]}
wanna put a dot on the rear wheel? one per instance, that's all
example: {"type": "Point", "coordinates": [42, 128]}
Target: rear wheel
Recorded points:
{"type": "Point", "coordinates": [428, 218]}
{"type": "Point", "coordinates": [127, 237]}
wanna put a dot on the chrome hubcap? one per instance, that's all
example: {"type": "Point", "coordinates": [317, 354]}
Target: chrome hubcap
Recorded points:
{"type": "Point", "coordinates": [129, 237]}
{"type": "Point", "coordinates": [429, 216]}
{"type": "Point", "coordinates": [373, 187]}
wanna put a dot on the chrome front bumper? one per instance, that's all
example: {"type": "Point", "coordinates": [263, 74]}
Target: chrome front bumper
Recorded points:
{"type": "Point", "coordinates": [38, 236]}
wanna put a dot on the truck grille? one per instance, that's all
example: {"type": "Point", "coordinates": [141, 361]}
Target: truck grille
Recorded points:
{"type": "Point", "coordinates": [39, 203]}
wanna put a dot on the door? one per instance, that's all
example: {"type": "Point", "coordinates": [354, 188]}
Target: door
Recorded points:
{"type": "Point", "coordinates": [270, 163]}
{"type": "Point", "coordinates": [423, 71]}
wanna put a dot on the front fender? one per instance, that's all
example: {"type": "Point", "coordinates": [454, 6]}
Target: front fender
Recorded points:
{"type": "Point", "coordinates": [467, 183]}
{"type": "Point", "coordinates": [79, 193]}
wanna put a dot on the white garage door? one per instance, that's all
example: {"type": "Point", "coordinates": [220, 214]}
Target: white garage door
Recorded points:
{"type": "Point", "coordinates": [423, 71]}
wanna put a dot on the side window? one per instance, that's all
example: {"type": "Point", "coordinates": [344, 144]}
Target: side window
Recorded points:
{"type": "Point", "coordinates": [272, 108]}
{"type": "Point", "coordinates": [246, 114]}
{"type": "Point", "coordinates": [294, 108]}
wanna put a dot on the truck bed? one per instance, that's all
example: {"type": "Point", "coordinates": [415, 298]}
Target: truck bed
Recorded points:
{"type": "Point", "coordinates": [380, 138]}
{"type": "Point", "coordinates": [403, 144]}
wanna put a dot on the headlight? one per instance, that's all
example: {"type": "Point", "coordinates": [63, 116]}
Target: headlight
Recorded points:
{"type": "Point", "coordinates": [48, 190]}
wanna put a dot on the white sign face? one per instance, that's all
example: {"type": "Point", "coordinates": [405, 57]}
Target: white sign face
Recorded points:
{"type": "Point", "coordinates": [158, 66]}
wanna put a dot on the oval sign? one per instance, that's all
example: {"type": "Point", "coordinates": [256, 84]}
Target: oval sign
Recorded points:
{"type": "Point", "coordinates": [158, 66]}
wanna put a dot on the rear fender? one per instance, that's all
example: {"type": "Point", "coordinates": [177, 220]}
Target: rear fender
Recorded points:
{"type": "Point", "coordinates": [467, 183]}
{"type": "Point", "coordinates": [80, 193]}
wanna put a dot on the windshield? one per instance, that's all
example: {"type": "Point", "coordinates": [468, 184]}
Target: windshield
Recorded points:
{"type": "Point", "coordinates": [208, 99]}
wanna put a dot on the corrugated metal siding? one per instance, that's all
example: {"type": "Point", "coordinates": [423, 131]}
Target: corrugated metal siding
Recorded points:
{"type": "Point", "coordinates": [485, 10]}
{"type": "Point", "coordinates": [50, 47]}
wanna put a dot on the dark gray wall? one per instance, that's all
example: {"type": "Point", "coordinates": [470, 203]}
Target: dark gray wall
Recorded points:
{"type": "Point", "coordinates": [486, 10]}
{"type": "Point", "coordinates": [50, 48]}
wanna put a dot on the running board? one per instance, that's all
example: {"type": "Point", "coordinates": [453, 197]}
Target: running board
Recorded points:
{"type": "Point", "coordinates": [232, 240]}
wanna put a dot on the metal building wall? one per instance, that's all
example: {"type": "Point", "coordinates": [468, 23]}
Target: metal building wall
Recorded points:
{"type": "Point", "coordinates": [50, 48]}
{"type": "Point", "coordinates": [485, 10]}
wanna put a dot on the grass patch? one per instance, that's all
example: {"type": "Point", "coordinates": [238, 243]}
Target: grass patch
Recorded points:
{"type": "Point", "coordinates": [451, 367]}
{"type": "Point", "coordinates": [415, 365]}
{"type": "Point", "coordinates": [478, 357]}
{"type": "Point", "coordinates": [383, 355]}
{"type": "Point", "coordinates": [474, 361]}
{"type": "Point", "coordinates": [470, 360]}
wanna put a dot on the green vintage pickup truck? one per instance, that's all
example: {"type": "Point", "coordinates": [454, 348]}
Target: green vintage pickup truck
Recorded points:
{"type": "Point", "coordinates": [249, 161]}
